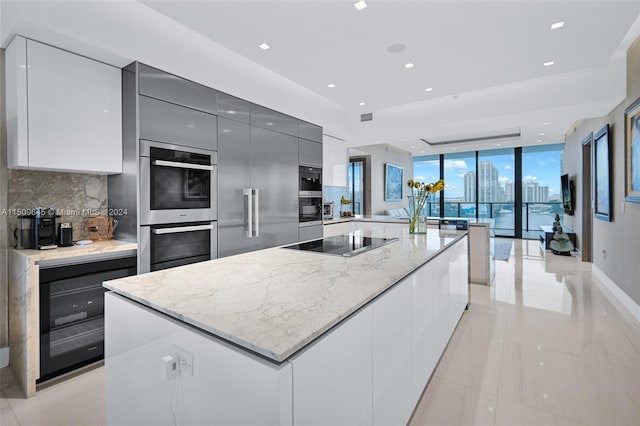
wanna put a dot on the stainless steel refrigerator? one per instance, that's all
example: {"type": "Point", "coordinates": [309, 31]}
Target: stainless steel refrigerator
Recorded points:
{"type": "Point", "coordinates": [257, 188]}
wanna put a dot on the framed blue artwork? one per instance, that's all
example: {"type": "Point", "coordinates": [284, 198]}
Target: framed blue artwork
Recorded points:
{"type": "Point", "coordinates": [392, 182]}
{"type": "Point", "coordinates": [602, 174]}
{"type": "Point", "coordinates": [632, 152]}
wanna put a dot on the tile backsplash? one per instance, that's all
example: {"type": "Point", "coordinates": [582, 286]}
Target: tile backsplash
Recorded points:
{"type": "Point", "coordinates": [75, 196]}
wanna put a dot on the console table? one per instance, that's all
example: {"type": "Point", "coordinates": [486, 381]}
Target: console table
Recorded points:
{"type": "Point", "coordinates": [546, 235]}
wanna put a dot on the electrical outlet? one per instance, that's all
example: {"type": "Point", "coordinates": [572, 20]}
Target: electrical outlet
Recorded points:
{"type": "Point", "coordinates": [185, 360]}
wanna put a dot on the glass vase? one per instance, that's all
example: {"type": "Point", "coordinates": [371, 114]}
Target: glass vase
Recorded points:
{"type": "Point", "coordinates": [418, 225]}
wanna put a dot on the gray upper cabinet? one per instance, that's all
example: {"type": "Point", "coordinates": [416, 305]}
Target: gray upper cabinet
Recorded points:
{"type": "Point", "coordinates": [161, 85]}
{"type": "Point", "coordinates": [166, 122]}
{"type": "Point", "coordinates": [234, 108]}
{"type": "Point", "coordinates": [273, 120]}
{"type": "Point", "coordinates": [310, 153]}
{"type": "Point", "coordinates": [310, 131]}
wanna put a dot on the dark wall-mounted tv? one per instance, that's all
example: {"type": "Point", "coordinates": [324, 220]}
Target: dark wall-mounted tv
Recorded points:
{"type": "Point", "coordinates": [567, 194]}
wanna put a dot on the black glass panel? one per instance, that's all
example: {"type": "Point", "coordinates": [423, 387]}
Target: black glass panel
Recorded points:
{"type": "Point", "coordinates": [310, 209]}
{"type": "Point", "coordinates": [179, 188]}
{"type": "Point", "coordinates": [180, 245]}
{"type": "Point", "coordinates": [342, 245]}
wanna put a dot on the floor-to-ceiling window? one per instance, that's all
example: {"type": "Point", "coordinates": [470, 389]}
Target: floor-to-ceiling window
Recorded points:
{"type": "Point", "coordinates": [460, 184]}
{"type": "Point", "coordinates": [483, 184]}
{"type": "Point", "coordinates": [541, 199]}
{"type": "Point", "coordinates": [356, 184]}
{"type": "Point", "coordinates": [496, 189]}
{"type": "Point", "coordinates": [427, 169]}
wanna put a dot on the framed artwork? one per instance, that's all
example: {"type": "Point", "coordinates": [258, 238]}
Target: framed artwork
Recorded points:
{"type": "Point", "coordinates": [632, 152]}
{"type": "Point", "coordinates": [393, 182]}
{"type": "Point", "coordinates": [602, 173]}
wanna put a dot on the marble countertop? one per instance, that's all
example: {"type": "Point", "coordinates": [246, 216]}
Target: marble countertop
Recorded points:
{"type": "Point", "coordinates": [96, 248]}
{"type": "Point", "coordinates": [276, 301]}
{"type": "Point", "coordinates": [367, 218]}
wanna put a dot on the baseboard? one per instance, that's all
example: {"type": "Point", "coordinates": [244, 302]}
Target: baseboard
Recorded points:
{"type": "Point", "coordinates": [615, 292]}
{"type": "Point", "coordinates": [4, 357]}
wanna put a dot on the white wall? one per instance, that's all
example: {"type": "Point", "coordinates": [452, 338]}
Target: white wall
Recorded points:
{"type": "Point", "coordinates": [379, 156]}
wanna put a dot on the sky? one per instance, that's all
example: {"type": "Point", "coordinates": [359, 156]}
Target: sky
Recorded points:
{"type": "Point", "coordinates": [538, 165]}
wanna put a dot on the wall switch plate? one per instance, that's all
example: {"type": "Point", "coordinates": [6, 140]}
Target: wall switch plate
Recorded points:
{"type": "Point", "coordinates": [170, 367]}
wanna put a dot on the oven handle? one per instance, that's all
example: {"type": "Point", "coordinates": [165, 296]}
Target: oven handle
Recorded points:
{"type": "Point", "coordinates": [179, 165]}
{"type": "Point", "coordinates": [247, 192]}
{"type": "Point", "coordinates": [160, 231]}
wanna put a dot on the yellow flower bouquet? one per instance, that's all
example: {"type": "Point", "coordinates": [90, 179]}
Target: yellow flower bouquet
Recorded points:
{"type": "Point", "coordinates": [420, 193]}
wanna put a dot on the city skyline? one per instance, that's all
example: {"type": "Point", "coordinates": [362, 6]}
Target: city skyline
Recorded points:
{"type": "Point", "coordinates": [541, 167]}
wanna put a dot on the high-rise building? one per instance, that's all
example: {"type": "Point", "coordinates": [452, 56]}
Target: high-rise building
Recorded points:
{"type": "Point", "coordinates": [470, 187]}
{"type": "Point", "coordinates": [532, 192]}
{"type": "Point", "coordinates": [488, 182]}
{"type": "Point", "coordinates": [509, 189]}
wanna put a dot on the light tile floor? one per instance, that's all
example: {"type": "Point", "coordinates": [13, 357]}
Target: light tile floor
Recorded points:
{"type": "Point", "coordinates": [542, 346]}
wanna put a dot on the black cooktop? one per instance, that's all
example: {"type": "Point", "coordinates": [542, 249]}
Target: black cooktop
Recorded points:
{"type": "Point", "coordinates": [342, 245]}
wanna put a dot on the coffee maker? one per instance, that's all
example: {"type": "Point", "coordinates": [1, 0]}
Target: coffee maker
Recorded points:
{"type": "Point", "coordinates": [37, 231]}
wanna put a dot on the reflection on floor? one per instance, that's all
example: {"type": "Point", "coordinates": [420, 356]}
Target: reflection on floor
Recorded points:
{"type": "Point", "coordinates": [542, 346]}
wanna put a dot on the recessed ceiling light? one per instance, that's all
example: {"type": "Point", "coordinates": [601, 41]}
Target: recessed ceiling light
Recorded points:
{"type": "Point", "coordinates": [409, 65]}
{"type": "Point", "coordinates": [264, 46]}
{"type": "Point", "coordinates": [412, 147]}
{"type": "Point", "coordinates": [226, 130]}
{"type": "Point", "coordinates": [557, 25]}
{"type": "Point", "coordinates": [453, 149]}
{"type": "Point", "coordinates": [360, 4]}
{"type": "Point", "coordinates": [270, 124]}
{"type": "Point", "coordinates": [541, 134]}
{"type": "Point", "coordinates": [231, 111]}
{"type": "Point", "coordinates": [428, 89]}
{"type": "Point", "coordinates": [548, 64]}
{"type": "Point", "coordinates": [362, 104]}
{"type": "Point", "coordinates": [331, 85]}
{"type": "Point", "coordinates": [422, 152]}
{"type": "Point", "coordinates": [499, 144]}
{"type": "Point", "coordinates": [539, 140]}
{"type": "Point", "coordinates": [545, 123]}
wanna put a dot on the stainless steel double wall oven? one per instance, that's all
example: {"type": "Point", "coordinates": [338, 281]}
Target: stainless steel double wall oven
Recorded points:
{"type": "Point", "coordinates": [178, 206]}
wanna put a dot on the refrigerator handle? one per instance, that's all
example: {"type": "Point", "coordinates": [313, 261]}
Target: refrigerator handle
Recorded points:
{"type": "Point", "coordinates": [256, 206]}
{"type": "Point", "coordinates": [247, 192]}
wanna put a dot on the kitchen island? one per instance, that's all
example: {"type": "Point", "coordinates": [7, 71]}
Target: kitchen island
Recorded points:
{"type": "Point", "coordinates": [280, 336]}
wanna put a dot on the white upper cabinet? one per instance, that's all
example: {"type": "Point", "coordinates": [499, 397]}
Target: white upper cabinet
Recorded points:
{"type": "Point", "coordinates": [334, 161]}
{"type": "Point", "coordinates": [64, 111]}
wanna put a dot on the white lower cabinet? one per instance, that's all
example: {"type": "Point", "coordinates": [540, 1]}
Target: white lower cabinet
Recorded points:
{"type": "Point", "coordinates": [227, 386]}
{"type": "Point", "coordinates": [392, 401]}
{"type": "Point", "coordinates": [332, 379]}
{"type": "Point", "coordinates": [424, 353]}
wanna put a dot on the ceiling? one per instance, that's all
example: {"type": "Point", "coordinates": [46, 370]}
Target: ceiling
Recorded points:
{"type": "Point", "coordinates": [483, 60]}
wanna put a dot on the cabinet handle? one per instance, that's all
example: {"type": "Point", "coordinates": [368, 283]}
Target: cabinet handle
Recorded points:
{"type": "Point", "coordinates": [179, 165]}
{"type": "Point", "coordinates": [160, 231]}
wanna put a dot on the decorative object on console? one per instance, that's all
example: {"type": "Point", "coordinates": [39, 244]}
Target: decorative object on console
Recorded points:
{"type": "Point", "coordinates": [556, 223]}
{"type": "Point", "coordinates": [632, 152]}
{"type": "Point", "coordinates": [420, 193]}
{"type": "Point", "coordinates": [602, 174]}
{"type": "Point", "coordinates": [561, 244]}
{"type": "Point", "coordinates": [392, 182]}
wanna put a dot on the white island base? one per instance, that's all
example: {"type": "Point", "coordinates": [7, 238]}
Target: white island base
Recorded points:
{"type": "Point", "coordinates": [369, 369]}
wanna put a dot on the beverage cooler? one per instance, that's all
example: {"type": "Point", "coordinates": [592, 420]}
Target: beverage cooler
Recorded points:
{"type": "Point", "coordinates": [72, 313]}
